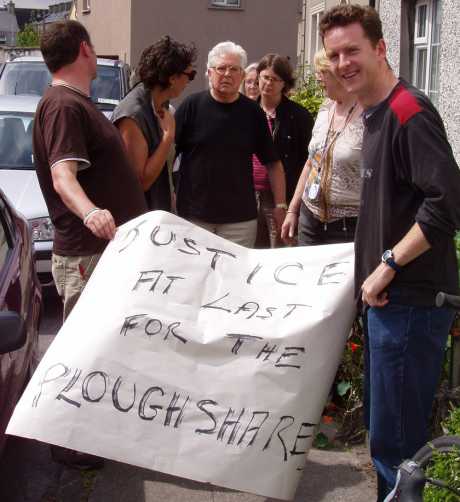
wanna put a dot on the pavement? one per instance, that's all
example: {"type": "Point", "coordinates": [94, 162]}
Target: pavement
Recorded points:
{"type": "Point", "coordinates": [30, 475]}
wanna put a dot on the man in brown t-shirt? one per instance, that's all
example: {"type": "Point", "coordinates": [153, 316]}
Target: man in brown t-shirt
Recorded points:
{"type": "Point", "coordinates": [87, 181]}
{"type": "Point", "coordinates": [84, 173]}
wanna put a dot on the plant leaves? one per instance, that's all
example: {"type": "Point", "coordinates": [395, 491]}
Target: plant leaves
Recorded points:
{"type": "Point", "coordinates": [343, 387]}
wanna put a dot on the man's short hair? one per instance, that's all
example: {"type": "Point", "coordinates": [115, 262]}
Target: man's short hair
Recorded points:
{"type": "Point", "coordinates": [228, 47]}
{"type": "Point", "coordinates": [162, 60]}
{"type": "Point", "coordinates": [343, 15]}
{"type": "Point", "coordinates": [281, 66]}
{"type": "Point", "coordinates": [60, 43]}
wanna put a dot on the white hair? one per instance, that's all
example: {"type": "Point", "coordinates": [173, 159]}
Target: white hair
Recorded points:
{"type": "Point", "coordinates": [224, 48]}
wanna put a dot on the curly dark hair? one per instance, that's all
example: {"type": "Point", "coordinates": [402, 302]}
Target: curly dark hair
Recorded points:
{"type": "Point", "coordinates": [60, 43]}
{"type": "Point", "coordinates": [281, 66]}
{"type": "Point", "coordinates": [164, 59]}
{"type": "Point", "coordinates": [343, 15]}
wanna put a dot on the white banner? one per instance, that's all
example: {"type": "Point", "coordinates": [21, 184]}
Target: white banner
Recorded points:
{"type": "Point", "coordinates": [191, 355]}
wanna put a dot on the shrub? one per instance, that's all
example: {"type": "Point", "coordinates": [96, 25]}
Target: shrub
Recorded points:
{"type": "Point", "coordinates": [309, 94]}
{"type": "Point", "coordinates": [445, 466]}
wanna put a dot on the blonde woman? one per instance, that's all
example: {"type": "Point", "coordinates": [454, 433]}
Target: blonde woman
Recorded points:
{"type": "Point", "coordinates": [325, 205]}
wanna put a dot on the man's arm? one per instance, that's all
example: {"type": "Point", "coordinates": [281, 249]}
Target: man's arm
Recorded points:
{"type": "Point", "coordinates": [278, 185]}
{"type": "Point", "coordinates": [412, 245]}
{"type": "Point", "coordinates": [100, 221]}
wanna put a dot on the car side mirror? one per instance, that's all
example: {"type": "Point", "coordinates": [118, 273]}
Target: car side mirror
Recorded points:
{"type": "Point", "coordinates": [13, 333]}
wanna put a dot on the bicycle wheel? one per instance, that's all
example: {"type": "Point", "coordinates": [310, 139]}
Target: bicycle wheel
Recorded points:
{"type": "Point", "coordinates": [443, 444]}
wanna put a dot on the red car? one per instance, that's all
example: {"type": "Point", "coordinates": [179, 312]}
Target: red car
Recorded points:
{"type": "Point", "coordinates": [20, 306]}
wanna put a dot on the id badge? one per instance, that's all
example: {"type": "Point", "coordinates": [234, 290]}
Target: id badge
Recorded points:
{"type": "Point", "coordinates": [314, 189]}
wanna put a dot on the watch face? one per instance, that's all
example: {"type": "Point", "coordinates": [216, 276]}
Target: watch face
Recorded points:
{"type": "Point", "coordinates": [388, 254]}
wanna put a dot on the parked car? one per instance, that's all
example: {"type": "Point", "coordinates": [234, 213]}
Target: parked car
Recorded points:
{"type": "Point", "coordinates": [29, 75]}
{"type": "Point", "coordinates": [20, 306]}
{"type": "Point", "coordinates": [18, 178]}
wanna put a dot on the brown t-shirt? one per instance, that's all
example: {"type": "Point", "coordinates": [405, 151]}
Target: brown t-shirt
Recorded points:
{"type": "Point", "coordinates": [69, 126]}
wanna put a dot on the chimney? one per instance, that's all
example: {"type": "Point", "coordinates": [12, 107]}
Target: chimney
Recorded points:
{"type": "Point", "coordinates": [10, 7]}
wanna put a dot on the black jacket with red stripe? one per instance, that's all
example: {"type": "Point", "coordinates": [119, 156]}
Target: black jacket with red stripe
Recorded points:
{"type": "Point", "coordinates": [409, 175]}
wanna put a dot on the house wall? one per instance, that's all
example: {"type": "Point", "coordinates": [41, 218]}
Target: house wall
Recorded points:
{"type": "Point", "coordinates": [109, 25]}
{"type": "Point", "coordinates": [449, 76]}
{"type": "Point", "coordinates": [260, 26]}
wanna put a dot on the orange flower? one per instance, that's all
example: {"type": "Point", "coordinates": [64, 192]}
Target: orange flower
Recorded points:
{"type": "Point", "coordinates": [353, 346]}
{"type": "Point", "coordinates": [327, 419]}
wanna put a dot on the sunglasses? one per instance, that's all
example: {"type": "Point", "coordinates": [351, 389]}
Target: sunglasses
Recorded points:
{"type": "Point", "coordinates": [191, 74]}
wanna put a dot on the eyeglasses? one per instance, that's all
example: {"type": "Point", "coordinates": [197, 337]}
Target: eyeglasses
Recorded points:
{"type": "Point", "coordinates": [267, 79]}
{"type": "Point", "coordinates": [251, 81]}
{"type": "Point", "coordinates": [222, 69]}
{"type": "Point", "coordinates": [191, 74]}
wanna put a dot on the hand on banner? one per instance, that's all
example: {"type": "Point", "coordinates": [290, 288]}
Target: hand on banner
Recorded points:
{"type": "Point", "coordinates": [101, 224]}
{"type": "Point", "coordinates": [279, 214]}
{"type": "Point", "coordinates": [373, 288]}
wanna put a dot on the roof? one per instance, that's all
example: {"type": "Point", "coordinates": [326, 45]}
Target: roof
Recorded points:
{"type": "Point", "coordinates": [8, 22]}
{"type": "Point", "coordinates": [34, 4]}
{"type": "Point", "coordinates": [18, 103]}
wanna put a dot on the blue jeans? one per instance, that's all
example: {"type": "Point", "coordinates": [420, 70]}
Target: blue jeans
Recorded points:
{"type": "Point", "coordinates": [404, 351]}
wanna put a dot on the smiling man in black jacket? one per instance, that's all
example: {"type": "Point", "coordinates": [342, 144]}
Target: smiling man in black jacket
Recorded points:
{"type": "Point", "coordinates": [404, 243]}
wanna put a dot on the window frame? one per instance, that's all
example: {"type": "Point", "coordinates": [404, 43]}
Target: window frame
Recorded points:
{"type": "Point", "coordinates": [222, 4]}
{"type": "Point", "coordinates": [317, 12]}
{"type": "Point", "coordinates": [426, 43]}
{"type": "Point", "coordinates": [86, 6]}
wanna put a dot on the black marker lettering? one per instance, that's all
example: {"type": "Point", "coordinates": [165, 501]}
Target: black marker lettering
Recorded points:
{"type": "Point", "coordinates": [269, 311]}
{"type": "Point", "coordinates": [115, 399]}
{"type": "Point", "coordinates": [143, 279]}
{"type": "Point", "coordinates": [248, 307]}
{"type": "Point", "coordinates": [47, 379]}
{"type": "Point", "coordinates": [281, 268]}
{"type": "Point", "coordinates": [282, 419]}
{"type": "Point", "coordinates": [228, 423]}
{"type": "Point", "coordinates": [153, 327]}
{"type": "Point", "coordinates": [293, 307]}
{"type": "Point", "coordinates": [171, 330]}
{"type": "Point", "coordinates": [135, 234]}
{"type": "Point", "coordinates": [255, 429]}
{"type": "Point", "coordinates": [294, 450]}
{"type": "Point", "coordinates": [288, 353]}
{"type": "Point", "coordinates": [130, 323]}
{"type": "Point", "coordinates": [212, 305]}
{"type": "Point", "coordinates": [188, 243]}
{"type": "Point", "coordinates": [325, 275]}
{"type": "Point", "coordinates": [239, 340]}
{"type": "Point", "coordinates": [201, 405]}
{"type": "Point", "coordinates": [217, 254]}
{"type": "Point", "coordinates": [172, 408]}
{"type": "Point", "coordinates": [171, 278]}
{"type": "Point", "coordinates": [71, 383]}
{"type": "Point", "coordinates": [268, 351]}
{"type": "Point", "coordinates": [87, 381]}
{"type": "Point", "coordinates": [153, 237]}
{"type": "Point", "coordinates": [251, 276]}
{"type": "Point", "coordinates": [154, 407]}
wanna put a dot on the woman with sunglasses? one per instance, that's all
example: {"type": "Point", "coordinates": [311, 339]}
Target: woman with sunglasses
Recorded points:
{"type": "Point", "coordinates": [144, 119]}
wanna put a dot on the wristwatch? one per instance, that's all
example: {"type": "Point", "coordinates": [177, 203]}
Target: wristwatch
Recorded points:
{"type": "Point", "coordinates": [389, 259]}
{"type": "Point", "coordinates": [281, 205]}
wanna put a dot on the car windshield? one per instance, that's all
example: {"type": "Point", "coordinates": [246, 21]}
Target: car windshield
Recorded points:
{"type": "Point", "coordinates": [33, 77]}
{"type": "Point", "coordinates": [16, 141]}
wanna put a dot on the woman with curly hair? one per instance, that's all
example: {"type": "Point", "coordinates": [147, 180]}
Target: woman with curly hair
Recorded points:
{"type": "Point", "coordinates": [146, 124]}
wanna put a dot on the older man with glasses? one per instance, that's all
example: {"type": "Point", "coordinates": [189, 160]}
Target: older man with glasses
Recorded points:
{"type": "Point", "coordinates": [217, 131]}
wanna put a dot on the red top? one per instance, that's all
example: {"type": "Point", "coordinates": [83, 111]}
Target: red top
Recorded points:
{"type": "Point", "coordinates": [259, 171]}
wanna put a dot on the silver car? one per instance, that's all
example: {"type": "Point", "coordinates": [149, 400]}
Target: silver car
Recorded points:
{"type": "Point", "coordinates": [18, 178]}
{"type": "Point", "coordinates": [28, 75]}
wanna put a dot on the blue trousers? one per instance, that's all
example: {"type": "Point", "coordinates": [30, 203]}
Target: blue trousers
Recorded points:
{"type": "Point", "coordinates": [404, 352]}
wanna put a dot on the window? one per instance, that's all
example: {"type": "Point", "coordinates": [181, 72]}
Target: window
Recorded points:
{"type": "Point", "coordinates": [427, 37]}
{"type": "Point", "coordinates": [233, 4]}
{"type": "Point", "coordinates": [86, 6]}
{"type": "Point", "coordinates": [315, 40]}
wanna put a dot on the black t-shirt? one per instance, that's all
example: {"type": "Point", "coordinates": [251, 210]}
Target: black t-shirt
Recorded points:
{"type": "Point", "coordinates": [68, 126]}
{"type": "Point", "coordinates": [217, 141]}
